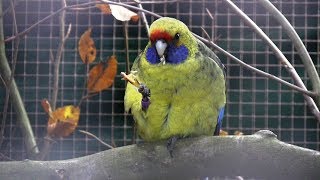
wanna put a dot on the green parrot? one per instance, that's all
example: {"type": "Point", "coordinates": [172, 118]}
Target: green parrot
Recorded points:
{"type": "Point", "coordinates": [182, 89]}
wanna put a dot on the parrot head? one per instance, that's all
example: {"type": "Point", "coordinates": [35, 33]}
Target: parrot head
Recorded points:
{"type": "Point", "coordinates": [170, 42]}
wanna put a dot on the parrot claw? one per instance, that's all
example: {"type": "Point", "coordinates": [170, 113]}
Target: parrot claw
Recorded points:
{"type": "Point", "coordinates": [171, 144]}
{"type": "Point", "coordinates": [145, 101]}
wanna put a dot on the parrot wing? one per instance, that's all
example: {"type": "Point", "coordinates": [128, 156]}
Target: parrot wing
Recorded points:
{"type": "Point", "coordinates": [211, 56]}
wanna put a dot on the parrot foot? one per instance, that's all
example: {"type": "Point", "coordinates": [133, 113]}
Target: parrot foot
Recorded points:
{"type": "Point", "coordinates": [145, 91]}
{"type": "Point", "coordinates": [171, 144]}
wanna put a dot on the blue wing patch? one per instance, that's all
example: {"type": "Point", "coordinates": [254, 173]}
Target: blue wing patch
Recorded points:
{"type": "Point", "coordinates": [219, 122]}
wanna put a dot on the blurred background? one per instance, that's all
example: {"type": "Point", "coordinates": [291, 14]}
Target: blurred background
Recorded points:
{"type": "Point", "coordinates": [253, 102]}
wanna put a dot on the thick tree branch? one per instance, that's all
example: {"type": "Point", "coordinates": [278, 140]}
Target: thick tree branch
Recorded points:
{"type": "Point", "coordinates": [16, 99]}
{"type": "Point", "coordinates": [258, 156]}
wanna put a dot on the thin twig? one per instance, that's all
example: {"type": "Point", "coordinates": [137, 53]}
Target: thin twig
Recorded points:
{"type": "Point", "coordinates": [126, 41]}
{"type": "Point", "coordinates": [86, 97]}
{"type": "Point", "coordinates": [95, 137]}
{"type": "Point", "coordinates": [206, 33]}
{"type": "Point", "coordinates": [144, 18]}
{"type": "Point", "coordinates": [214, 30]}
{"type": "Point", "coordinates": [48, 142]}
{"type": "Point", "coordinates": [24, 32]}
{"type": "Point", "coordinates": [3, 81]}
{"type": "Point", "coordinates": [51, 56]}
{"type": "Point", "coordinates": [58, 58]}
{"type": "Point", "coordinates": [209, 13]}
{"type": "Point", "coordinates": [68, 32]}
{"type": "Point", "coordinates": [283, 60]}
{"type": "Point", "coordinates": [82, 9]}
{"type": "Point", "coordinates": [9, 9]}
{"type": "Point", "coordinates": [63, 37]}
{"type": "Point", "coordinates": [85, 90]}
{"type": "Point", "coordinates": [258, 71]}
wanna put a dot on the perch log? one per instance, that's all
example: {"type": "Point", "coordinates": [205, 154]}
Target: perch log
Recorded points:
{"type": "Point", "coordinates": [258, 156]}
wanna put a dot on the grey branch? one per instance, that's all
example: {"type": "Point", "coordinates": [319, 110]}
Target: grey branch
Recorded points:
{"type": "Point", "coordinates": [59, 55]}
{"type": "Point", "coordinates": [298, 44]}
{"type": "Point", "coordinates": [258, 156]}
{"type": "Point", "coordinates": [16, 99]}
{"type": "Point", "coordinates": [95, 137]}
{"type": "Point", "coordinates": [144, 19]}
{"type": "Point", "coordinates": [312, 105]}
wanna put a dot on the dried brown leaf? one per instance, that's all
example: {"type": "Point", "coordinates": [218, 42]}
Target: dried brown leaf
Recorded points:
{"type": "Point", "coordinates": [46, 106]}
{"type": "Point", "coordinates": [102, 75]}
{"type": "Point", "coordinates": [121, 13]}
{"type": "Point", "coordinates": [86, 47]}
{"type": "Point", "coordinates": [104, 8]}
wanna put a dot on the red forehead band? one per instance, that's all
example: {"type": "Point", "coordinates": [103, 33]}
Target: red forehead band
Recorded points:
{"type": "Point", "coordinates": [157, 34]}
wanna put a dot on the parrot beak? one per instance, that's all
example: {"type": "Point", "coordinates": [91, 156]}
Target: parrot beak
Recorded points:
{"type": "Point", "coordinates": [161, 46]}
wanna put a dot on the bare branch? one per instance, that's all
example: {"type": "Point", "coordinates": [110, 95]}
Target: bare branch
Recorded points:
{"type": "Point", "coordinates": [24, 32]}
{"type": "Point", "coordinates": [3, 81]}
{"type": "Point", "coordinates": [95, 137]}
{"type": "Point", "coordinates": [209, 13]}
{"type": "Point", "coordinates": [312, 105]}
{"type": "Point", "coordinates": [68, 32]}
{"type": "Point", "coordinates": [58, 58]}
{"type": "Point", "coordinates": [7, 74]}
{"type": "Point", "coordinates": [262, 73]}
{"type": "Point", "coordinates": [126, 42]}
{"type": "Point", "coordinates": [51, 56]}
{"type": "Point", "coordinates": [144, 19]}
{"type": "Point", "coordinates": [298, 44]}
{"type": "Point", "coordinates": [14, 62]}
{"type": "Point", "coordinates": [206, 33]}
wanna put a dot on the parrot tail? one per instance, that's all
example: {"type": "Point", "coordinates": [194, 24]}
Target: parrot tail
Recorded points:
{"type": "Point", "coordinates": [219, 122]}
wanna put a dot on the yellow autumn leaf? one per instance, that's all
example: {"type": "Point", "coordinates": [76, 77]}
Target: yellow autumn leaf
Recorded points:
{"type": "Point", "coordinates": [63, 121]}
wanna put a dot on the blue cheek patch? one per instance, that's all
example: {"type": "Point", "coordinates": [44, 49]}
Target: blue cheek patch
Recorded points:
{"type": "Point", "coordinates": [175, 55]}
{"type": "Point", "coordinates": [152, 55]}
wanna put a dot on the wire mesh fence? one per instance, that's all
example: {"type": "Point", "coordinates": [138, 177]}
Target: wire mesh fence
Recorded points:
{"type": "Point", "coordinates": [253, 102]}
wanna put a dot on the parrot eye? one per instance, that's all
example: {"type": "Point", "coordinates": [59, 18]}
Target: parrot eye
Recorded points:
{"type": "Point", "coordinates": [177, 36]}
